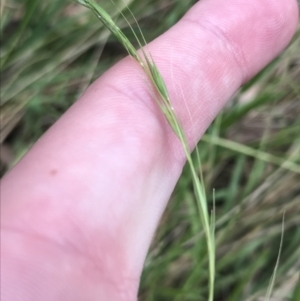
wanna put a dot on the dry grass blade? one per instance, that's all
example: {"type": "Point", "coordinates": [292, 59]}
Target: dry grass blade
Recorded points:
{"type": "Point", "coordinates": [272, 281]}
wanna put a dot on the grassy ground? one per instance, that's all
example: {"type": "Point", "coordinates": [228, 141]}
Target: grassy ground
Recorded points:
{"type": "Point", "coordinates": [52, 50]}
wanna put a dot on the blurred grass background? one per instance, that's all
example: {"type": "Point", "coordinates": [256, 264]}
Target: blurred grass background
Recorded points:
{"type": "Point", "coordinates": [52, 50]}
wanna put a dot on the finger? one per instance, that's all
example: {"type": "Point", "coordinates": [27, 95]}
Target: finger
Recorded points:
{"type": "Point", "coordinates": [97, 182]}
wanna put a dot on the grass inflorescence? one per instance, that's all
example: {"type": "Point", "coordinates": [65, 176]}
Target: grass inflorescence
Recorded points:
{"type": "Point", "coordinates": [163, 100]}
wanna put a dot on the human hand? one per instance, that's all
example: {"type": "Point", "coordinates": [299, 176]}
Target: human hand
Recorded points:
{"type": "Point", "coordinates": [79, 210]}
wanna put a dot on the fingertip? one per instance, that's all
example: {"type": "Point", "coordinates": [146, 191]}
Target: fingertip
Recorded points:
{"type": "Point", "coordinates": [255, 31]}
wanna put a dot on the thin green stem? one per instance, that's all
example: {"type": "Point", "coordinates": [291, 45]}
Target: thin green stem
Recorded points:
{"type": "Point", "coordinates": [162, 98]}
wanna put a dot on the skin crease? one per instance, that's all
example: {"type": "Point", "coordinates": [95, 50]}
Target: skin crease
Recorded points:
{"type": "Point", "coordinates": [79, 210]}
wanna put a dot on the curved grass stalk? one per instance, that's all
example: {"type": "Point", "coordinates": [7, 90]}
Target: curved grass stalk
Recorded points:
{"type": "Point", "coordinates": [162, 98]}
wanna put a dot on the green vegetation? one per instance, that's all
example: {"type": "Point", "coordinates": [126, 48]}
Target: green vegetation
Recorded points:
{"type": "Point", "coordinates": [161, 95]}
{"type": "Point", "coordinates": [50, 52]}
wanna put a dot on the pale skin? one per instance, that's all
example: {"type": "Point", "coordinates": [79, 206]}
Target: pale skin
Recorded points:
{"type": "Point", "coordinates": [78, 212]}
